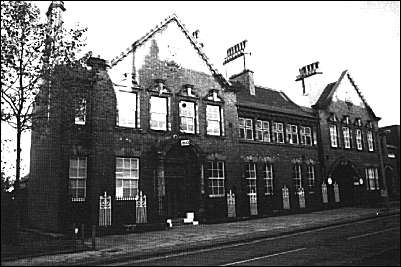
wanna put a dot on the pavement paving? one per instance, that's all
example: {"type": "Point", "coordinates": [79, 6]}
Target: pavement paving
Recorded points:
{"type": "Point", "coordinates": [141, 245]}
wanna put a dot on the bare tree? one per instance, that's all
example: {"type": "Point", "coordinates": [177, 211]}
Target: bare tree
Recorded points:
{"type": "Point", "coordinates": [30, 49]}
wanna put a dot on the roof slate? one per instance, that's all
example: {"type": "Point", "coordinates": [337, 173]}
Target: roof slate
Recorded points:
{"type": "Point", "coordinates": [271, 100]}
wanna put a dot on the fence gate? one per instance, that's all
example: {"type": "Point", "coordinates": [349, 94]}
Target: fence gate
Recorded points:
{"type": "Point", "coordinates": [301, 196]}
{"type": "Point", "coordinates": [105, 210]}
{"type": "Point", "coordinates": [324, 193]}
{"type": "Point", "coordinates": [336, 193]}
{"type": "Point", "coordinates": [286, 198]}
{"type": "Point", "coordinates": [141, 216]}
{"type": "Point", "coordinates": [253, 203]}
{"type": "Point", "coordinates": [231, 205]}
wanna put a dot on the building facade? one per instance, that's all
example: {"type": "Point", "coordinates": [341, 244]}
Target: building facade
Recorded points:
{"type": "Point", "coordinates": [162, 122]}
{"type": "Point", "coordinates": [391, 155]}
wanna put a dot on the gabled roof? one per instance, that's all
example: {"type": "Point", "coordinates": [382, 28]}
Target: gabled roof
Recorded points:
{"type": "Point", "coordinates": [327, 94]}
{"type": "Point", "coordinates": [271, 100]}
{"type": "Point", "coordinates": [197, 47]}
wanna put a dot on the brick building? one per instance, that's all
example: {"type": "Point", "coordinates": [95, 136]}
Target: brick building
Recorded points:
{"type": "Point", "coordinates": [164, 122]}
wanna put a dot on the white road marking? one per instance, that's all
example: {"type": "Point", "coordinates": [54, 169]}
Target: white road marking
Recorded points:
{"type": "Point", "coordinates": [372, 233]}
{"type": "Point", "coordinates": [238, 244]}
{"type": "Point", "coordinates": [263, 257]}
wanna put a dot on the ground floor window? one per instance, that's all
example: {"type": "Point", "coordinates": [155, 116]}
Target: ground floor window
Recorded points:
{"type": "Point", "coordinates": [216, 178]}
{"type": "Point", "coordinates": [127, 178]}
{"type": "Point", "coordinates": [77, 177]}
{"type": "Point", "coordinates": [250, 176]}
{"type": "Point", "coordinates": [372, 179]}
{"type": "Point", "coordinates": [297, 176]}
{"type": "Point", "coordinates": [311, 176]}
{"type": "Point", "coordinates": [268, 171]}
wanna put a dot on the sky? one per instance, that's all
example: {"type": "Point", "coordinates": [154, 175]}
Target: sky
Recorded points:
{"type": "Point", "coordinates": [362, 37]}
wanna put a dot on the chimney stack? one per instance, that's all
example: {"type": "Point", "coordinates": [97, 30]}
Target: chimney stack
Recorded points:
{"type": "Point", "coordinates": [245, 78]}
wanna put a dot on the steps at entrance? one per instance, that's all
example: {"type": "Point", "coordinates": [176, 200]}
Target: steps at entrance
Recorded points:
{"type": "Point", "coordinates": [177, 222]}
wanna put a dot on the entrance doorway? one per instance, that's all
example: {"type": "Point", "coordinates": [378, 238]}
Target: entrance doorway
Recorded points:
{"type": "Point", "coordinates": [182, 182]}
{"type": "Point", "coordinates": [348, 182]}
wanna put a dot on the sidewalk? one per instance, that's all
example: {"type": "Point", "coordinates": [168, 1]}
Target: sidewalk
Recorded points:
{"type": "Point", "coordinates": [139, 245]}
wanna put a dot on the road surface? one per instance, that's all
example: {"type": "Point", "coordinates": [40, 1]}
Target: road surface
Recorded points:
{"type": "Point", "coordinates": [370, 242]}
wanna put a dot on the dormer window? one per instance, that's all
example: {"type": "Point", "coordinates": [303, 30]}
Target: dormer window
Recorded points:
{"type": "Point", "coordinates": [346, 120]}
{"type": "Point", "coordinates": [213, 96]}
{"type": "Point", "coordinates": [332, 117]}
{"type": "Point", "coordinates": [369, 124]}
{"type": "Point", "coordinates": [160, 87]}
{"type": "Point", "coordinates": [188, 90]}
{"type": "Point", "coordinates": [358, 122]}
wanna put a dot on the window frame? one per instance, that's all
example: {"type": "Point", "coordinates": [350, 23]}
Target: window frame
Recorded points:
{"type": "Point", "coordinates": [194, 118]}
{"type": "Point", "coordinates": [290, 133]}
{"type": "Point", "coordinates": [297, 176]}
{"type": "Point", "coordinates": [251, 180]}
{"type": "Point", "coordinates": [135, 111]}
{"type": "Point", "coordinates": [370, 140]}
{"type": "Point", "coordinates": [311, 177]}
{"type": "Point", "coordinates": [333, 136]}
{"type": "Point", "coordinates": [219, 179]}
{"type": "Point", "coordinates": [264, 131]}
{"type": "Point", "coordinates": [276, 132]}
{"type": "Point", "coordinates": [166, 115]}
{"type": "Point", "coordinates": [132, 179]}
{"type": "Point", "coordinates": [346, 137]}
{"type": "Point", "coordinates": [246, 128]}
{"type": "Point", "coordinates": [304, 135]}
{"type": "Point", "coordinates": [74, 190]}
{"type": "Point", "coordinates": [220, 119]}
{"type": "Point", "coordinates": [80, 111]}
{"type": "Point", "coordinates": [268, 179]}
{"type": "Point", "coordinates": [372, 179]}
{"type": "Point", "coordinates": [358, 139]}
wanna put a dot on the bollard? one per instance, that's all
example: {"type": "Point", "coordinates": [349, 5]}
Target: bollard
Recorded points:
{"type": "Point", "coordinates": [93, 237]}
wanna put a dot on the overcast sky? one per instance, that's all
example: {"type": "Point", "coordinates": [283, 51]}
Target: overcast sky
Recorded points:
{"type": "Point", "coordinates": [363, 37]}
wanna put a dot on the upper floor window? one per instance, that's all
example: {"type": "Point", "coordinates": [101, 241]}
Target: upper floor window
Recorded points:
{"type": "Point", "coordinates": [77, 177]}
{"type": "Point", "coordinates": [358, 122]}
{"type": "Point", "coordinates": [187, 117]}
{"type": "Point", "coordinates": [158, 113]}
{"type": "Point", "coordinates": [358, 139]}
{"type": "Point", "coordinates": [333, 135]}
{"type": "Point", "coordinates": [292, 133]}
{"type": "Point", "coordinates": [306, 135]}
{"type": "Point", "coordinates": [216, 178]}
{"type": "Point", "coordinates": [278, 132]}
{"type": "Point", "coordinates": [262, 131]}
{"type": "Point", "coordinates": [369, 124]}
{"type": "Point", "coordinates": [127, 109]}
{"type": "Point", "coordinates": [245, 129]}
{"type": "Point", "coordinates": [372, 179]}
{"type": "Point", "coordinates": [370, 140]}
{"type": "Point", "coordinates": [80, 111]}
{"type": "Point", "coordinates": [268, 172]}
{"type": "Point", "coordinates": [214, 120]}
{"type": "Point", "coordinates": [297, 176]}
{"type": "Point", "coordinates": [347, 141]}
{"type": "Point", "coordinates": [127, 177]}
{"type": "Point", "coordinates": [250, 176]}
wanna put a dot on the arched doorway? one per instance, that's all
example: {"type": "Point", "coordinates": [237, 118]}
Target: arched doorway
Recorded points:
{"type": "Point", "coordinates": [349, 183]}
{"type": "Point", "coordinates": [182, 172]}
{"type": "Point", "coordinates": [389, 181]}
